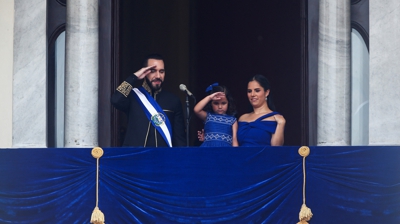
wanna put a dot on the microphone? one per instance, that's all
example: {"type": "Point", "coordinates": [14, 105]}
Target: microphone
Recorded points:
{"type": "Point", "coordinates": [183, 88]}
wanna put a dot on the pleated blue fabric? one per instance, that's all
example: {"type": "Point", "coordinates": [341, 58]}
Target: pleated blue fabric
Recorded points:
{"type": "Point", "coordinates": [200, 185]}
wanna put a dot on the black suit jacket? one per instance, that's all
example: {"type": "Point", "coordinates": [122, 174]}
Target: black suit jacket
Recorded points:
{"type": "Point", "coordinates": [140, 132]}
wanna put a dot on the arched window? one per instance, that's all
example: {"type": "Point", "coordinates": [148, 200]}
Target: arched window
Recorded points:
{"type": "Point", "coordinates": [360, 72]}
{"type": "Point", "coordinates": [56, 18]}
{"type": "Point", "coordinates": [59, 90]}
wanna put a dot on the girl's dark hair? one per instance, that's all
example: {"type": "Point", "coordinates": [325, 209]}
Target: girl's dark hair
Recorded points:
{"type": "Point", "coordinates": [231, 103]}
{"type": "Point", "coordinates": [263, 81]}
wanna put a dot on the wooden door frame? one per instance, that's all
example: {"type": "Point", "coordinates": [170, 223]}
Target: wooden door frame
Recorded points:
{"type": "Point", "coordinates": [108, 71]}
{"type": "Point", "coordinates": [309, 70]}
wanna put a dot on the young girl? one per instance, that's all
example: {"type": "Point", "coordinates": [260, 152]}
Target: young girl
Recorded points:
{"type": "Point", "coordinates": [217, 110]}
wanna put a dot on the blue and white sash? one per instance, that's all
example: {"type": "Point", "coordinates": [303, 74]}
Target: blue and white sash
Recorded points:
{"type": "Point", "coordinates": [154, 113]}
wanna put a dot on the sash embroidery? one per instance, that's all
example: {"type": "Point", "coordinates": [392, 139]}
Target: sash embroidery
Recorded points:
{"type": "Point", "coordinates": [154, 113]}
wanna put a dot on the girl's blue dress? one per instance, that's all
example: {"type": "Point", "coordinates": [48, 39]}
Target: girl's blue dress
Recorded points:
{"type": "Point", "coordinates": [218, 130]}
{"type": "Point", "coordinates": [256, 133]}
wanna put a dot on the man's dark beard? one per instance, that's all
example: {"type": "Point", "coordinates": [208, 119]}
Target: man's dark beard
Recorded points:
{"type": "Point", "coordinates": [151, 85]}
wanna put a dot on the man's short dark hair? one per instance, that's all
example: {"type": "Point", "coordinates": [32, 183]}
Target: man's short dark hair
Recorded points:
{"type": "Point", "coordinates": [151, 56]}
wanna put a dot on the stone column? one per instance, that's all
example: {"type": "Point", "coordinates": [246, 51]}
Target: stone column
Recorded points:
{"type": "Point", "coordinates": [334, 73]}
{"type": "Point", "coordinates": [384, 93]}
{"type": "Point", "coordinates": [29, 78]}
{"type": "Point", "coordinates": [81, 74]}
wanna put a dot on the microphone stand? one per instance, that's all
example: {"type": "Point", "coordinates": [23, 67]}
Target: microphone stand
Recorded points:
{"type": "Point", "coordinates": [188, 116]}
{"type": "Point", "coordinates": [187, 120]}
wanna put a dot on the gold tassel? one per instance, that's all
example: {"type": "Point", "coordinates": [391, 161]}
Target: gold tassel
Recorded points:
{"type": "Point", "coordinates": [97, 215]}
{"type": "Point", "coordinates": [305, 212]}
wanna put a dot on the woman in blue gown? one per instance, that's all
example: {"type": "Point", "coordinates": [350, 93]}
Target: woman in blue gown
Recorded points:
{"type": "Point", "coordinates": [262, 126]}
{"type": "Point", "coordinates": [217, 110]}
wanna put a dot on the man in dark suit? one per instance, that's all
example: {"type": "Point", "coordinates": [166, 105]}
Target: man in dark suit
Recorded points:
{"type": "Point", "coordinates": [155, 116]}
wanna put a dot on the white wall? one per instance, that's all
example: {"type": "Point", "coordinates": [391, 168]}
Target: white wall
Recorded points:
{"type": "Point", "coordinates": [384, 94]}
{"type": "Point", "coordinates": [6, 71]}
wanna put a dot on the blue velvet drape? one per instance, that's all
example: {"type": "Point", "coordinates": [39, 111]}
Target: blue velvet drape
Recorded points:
{"type": "Point", "coordinates": [200, 185]}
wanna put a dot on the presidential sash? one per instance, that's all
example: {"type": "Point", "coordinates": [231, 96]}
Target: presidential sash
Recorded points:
{"type": "Point", "coordinates": [154, 113]}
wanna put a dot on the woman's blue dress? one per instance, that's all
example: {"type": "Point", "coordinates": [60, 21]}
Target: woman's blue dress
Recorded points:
{"type": "Point", "coordinates": [256, 133]}
{"type": "Point", "coordinates": [218, 130]}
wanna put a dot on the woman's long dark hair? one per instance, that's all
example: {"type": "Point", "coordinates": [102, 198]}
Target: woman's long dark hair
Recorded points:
{"type": "Point", "coordinates": [231, 103]}
{"type": "Point", "coordinates": [263, 81]}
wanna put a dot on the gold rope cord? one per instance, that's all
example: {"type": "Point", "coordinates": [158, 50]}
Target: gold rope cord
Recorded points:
{"type": "Point", "coordinates": [304, 180]}
{"type": "Point", "coordinates": [97, 215]}
{"type": "Point", "coordinates": [305, 212]}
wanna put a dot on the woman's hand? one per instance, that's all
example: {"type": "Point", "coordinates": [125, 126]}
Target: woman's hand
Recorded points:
{"type": "Point", "coordinates": [280, 119]}
{"type": "Point", "coordinates": [278, 137]}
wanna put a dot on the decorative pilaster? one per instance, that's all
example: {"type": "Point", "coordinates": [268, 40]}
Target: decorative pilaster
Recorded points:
{"type": "Point", "coordinates": [334, 73]}
{"type": "Point", "coordinates": [29, 78]}
{"type": "Point", "coordinates": [81, 73]}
